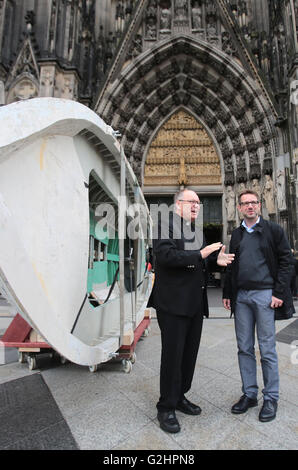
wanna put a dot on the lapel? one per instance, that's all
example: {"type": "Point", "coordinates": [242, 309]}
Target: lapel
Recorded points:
{"type": "Point", "coordinates": [186, 235]}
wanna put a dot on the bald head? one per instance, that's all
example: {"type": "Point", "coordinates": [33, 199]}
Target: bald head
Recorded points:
{"type": "Point", "coordinates": [187, 204]}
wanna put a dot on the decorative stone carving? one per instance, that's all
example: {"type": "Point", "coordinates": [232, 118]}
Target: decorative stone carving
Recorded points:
{"type": "Point", "coordinates": [136, 47]}
{"type": "Point", "coordinates": [230, 200]}
{"type": "Point", "coordinates": [24, 89]}
{"type": "Point", "coordinates": [196, 15]}
{"type": "Point", "coordinates": [255, 186]}
{"type": "Point", "coordinates": [267, 165]}
{"type": "Point", "coordinates": [255, 170]}
{"type": "Point", "coordinates": [268, 195]}
{"type": "Point", "coordinates": [25, 62]}
{"type": "Point", "coordinates": [251, 144]}
{"type": "Point", "coordinates": [241, 172]}
{"type": "Point", "coordinates": [281, 195]}
{"type": "Point", "coordinates": [182, 179]}
{"type": "Point", "coordinates": [227, 45]}
{"type": "Point", "coordinates": [238, 146]}
{"type": "Point", "coordinates": [47, 80]}
{"type": "Point", "coordinates": [241, 187]}
{"type": "Point", "coordinates": [181, 153]}
{"type": "Point", "coordinates": [151, 28]}
{"type": "Point", "coordinates": [226, 150]}
{"type": "Point", "coordinates": [212, 28]}
{"type": "Point", "coordinates": [165, 19]}
{"type": "Point", "coordinates": [229, 172]}
{"type": "Point", "coordinates": [151, 19]}
{"type": "Point", "coordinates": [181, 12]}
{"type": "Point", "coordinates": [211, 8]}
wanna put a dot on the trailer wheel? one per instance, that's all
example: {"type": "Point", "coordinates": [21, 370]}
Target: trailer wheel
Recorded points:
{"type": "Point", "coordinates": [22, 357]}
{"type": "Point", "coordinates": [127, 366]}
{"type": "Point", "coordinates": [32, 362]}
{"type": "Point", "coordinates": [63, 360]}
{"type": "Point", "coordinates": [93, 368]}
{"type": "Point", "coordinates": [133, 358]}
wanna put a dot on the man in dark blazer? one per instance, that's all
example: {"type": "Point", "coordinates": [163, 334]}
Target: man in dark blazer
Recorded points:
{"type": "Point", "coordinates": [180, 299]}
{"type": "Point", "coordinates": [257, 290]}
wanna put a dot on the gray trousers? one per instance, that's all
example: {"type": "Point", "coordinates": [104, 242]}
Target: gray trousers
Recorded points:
{"type": "Point", "coordinates": [252, 312]}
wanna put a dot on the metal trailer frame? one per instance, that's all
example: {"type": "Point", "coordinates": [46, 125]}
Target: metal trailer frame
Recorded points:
{"type": "Point", "coordinates": [18, 333]}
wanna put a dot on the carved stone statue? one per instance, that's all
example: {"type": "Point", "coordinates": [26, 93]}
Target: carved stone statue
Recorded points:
{"type": "Point", "coordinates": [180, 9]}
{"type": "Point", "coordinates": [255, 186]}
{"type": "Point", "coordinates": [268, 194]}
{"type": "Point", "coordinates": [212, 29]}
{"type": "Point", "coordinates": [281, 196]}
{"type": "Point", "coordinates": [151, 28]}
{"type": "Point", "coordinates": [165, 19]}
{"type": "Point", "coordinates": [241, 187]}
{"type": "Point", "coordinates": [182, 179]}
{"type": "Point", "coordinates": [230, 204]}
{"type": "Point", "coordinates": [196, 16]}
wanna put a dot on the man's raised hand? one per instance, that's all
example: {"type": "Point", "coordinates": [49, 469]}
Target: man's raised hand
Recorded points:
{"type": "Point", "coordinates": [223, 258]}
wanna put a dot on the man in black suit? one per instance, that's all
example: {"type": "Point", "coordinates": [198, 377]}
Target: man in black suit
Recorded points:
{"type": "Point", "coordinates": [180, 299]}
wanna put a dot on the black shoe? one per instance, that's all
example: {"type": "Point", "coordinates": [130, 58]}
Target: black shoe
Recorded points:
{"type": "Point", "coordinates": [268, 411]}
{"type": "Point", "coordinates": [243, 404]}
{"type": "Point", "coordinates": [168, 421]}
{"type": "Point", "coordinates": [188, 408]}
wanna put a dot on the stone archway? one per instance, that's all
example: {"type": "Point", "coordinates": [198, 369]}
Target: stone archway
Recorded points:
{"type": "Point", "coordinates": [192, 74]}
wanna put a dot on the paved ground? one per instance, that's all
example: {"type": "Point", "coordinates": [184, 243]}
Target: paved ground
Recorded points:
{"type": "Point", "coordinates": [68, 407]}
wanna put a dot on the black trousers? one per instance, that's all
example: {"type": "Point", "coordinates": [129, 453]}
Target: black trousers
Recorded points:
{"type": "Point", "coordinates": [180, 340]}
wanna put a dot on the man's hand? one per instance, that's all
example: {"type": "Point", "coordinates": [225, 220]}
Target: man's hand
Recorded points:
{"type": "Point", "coordinates": [276, 302]}
{"type": "Point", "coordinates": [227, 303]}
{"type": "Point", "coordinates": [223, 258]}
{"type": "Point", "coordinates": [210, 249]}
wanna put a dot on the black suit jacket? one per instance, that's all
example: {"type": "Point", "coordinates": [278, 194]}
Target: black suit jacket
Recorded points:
{"type": "Point", "coordinates": [180, 272]}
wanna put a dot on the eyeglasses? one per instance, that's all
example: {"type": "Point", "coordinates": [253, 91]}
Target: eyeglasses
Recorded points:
{"type": "Point", "coordinates": [246, 204]}
{"type": "Point", "coordinates": [194, 203]}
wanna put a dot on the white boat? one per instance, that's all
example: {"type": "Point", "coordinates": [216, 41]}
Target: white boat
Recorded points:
{"type": "Point", "coordinates": [61, 168]}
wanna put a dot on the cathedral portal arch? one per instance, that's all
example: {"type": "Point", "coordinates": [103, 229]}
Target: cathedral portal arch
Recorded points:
{"type": "Point", "coordinates": [210, 85]}
{"type": "Point", "coordinates": [182, 152]}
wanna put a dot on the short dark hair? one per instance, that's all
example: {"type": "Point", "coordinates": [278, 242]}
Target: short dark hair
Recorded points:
{"type": "Point", "coordinates": [247, 191]}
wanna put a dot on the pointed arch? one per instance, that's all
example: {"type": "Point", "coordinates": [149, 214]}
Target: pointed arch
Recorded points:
{"type": "Point", "coordinates": [181, 152]}
{"type": "Point", "coordinates": [185, 72]}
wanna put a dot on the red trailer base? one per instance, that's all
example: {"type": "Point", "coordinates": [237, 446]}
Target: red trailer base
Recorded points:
{"type": "Point", "coordinates": [20, 335]}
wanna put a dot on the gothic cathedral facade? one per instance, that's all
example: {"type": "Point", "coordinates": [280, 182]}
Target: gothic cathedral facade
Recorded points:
{"type": "Point", "coordinates": [203, 93]}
